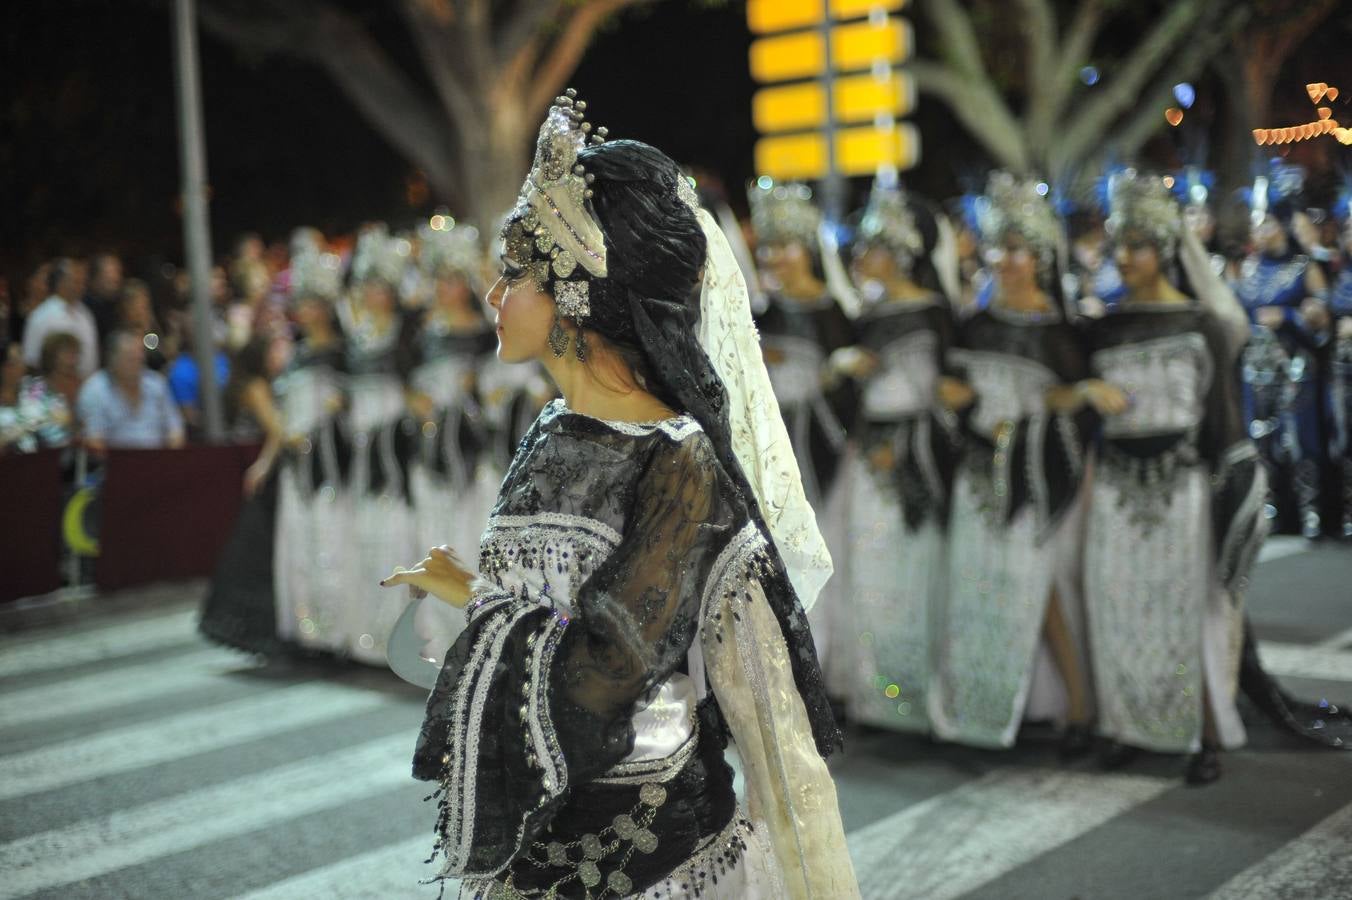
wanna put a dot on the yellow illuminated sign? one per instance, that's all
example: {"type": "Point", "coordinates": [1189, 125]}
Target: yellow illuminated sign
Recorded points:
{"type": "Point", "coordinates": [859, 151]}
{"type": "Point", "coordinates": [858, 98]}
{"type": "Point", "coordinates": [859, 45]}
{"type": "Point", "coordinates": [770, 16]}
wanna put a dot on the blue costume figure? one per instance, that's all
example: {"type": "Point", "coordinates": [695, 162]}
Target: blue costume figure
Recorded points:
{"type": "Point", "coordinates": [1283, 294]}
{"type": "Point", "coordinates": [1340, 381]}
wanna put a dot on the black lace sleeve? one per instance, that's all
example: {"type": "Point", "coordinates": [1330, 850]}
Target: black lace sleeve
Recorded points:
{"type": "Point", "coordinates": [1237, 477]}
{"type": "Point", "coordinates": [533, 702]}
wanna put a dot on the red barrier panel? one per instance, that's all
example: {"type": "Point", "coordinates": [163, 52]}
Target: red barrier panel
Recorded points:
{"type": "Point", "coordinates": [167, 513]}
{"type": "Point", "coordinates": [30, 524]}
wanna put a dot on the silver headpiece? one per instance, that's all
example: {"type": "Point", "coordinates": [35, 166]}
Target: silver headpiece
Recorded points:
{"type": "Point", "coordinates": [889, 222]}
{"type": "Point", "coordinates": [379, 256]}
{"type": "Point", "coordinates": [1010, 206]}
{"type": "Point", "coordinates": [1138, 202]}
{"type": "Point", "coordinates": [551, 217]}
{"type": "Point", "coordinates": [784, 213]}
{"type": "Point", "coordinates": [317, 274]}
{"type": "Point", "coordinates": [448, 247]}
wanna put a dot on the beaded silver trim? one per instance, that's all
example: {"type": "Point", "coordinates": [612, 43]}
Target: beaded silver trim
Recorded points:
{"type": "Point", "coordinates": [463, 740]}
{"type": "Point", "coordinates": [731, 564]}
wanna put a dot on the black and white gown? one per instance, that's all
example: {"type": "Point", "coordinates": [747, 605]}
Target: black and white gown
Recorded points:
{"type": "Point", "coordinates": [1014, 530]}
{"type": "Point", "coordinates": [1175, 522]}
{"type": "Point", "coordinates": [383, 524]}
{"type": "Point", "coordinates": [313, 503]}
{"type": "Point", "coordinates": [893, 567]}
{"type": "Point", "coordinates": [575, 729]}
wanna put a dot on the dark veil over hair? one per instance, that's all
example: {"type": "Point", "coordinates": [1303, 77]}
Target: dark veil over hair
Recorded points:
{"type": "Point", "coordinates": [655, 254]}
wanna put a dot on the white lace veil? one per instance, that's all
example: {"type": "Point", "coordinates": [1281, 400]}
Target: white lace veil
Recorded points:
{"type": "Point", "coordinates": [759, 438]}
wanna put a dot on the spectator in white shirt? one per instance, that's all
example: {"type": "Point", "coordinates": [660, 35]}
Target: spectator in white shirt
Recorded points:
{"type": "Point", "coordinates": [63, 311]}
{"type": "Point", "coordinates": [126, 404]}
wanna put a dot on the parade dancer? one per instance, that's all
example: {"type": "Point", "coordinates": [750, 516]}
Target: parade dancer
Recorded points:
{"type": "Point", "coordinates": [314, 502]}
{"type": "Point", "coordinates": [650, 543]}
{"type": "Point", "coordinates": [1014, 533]}
{"type": "Point", "coordinates": [1175, 517]}
{"type": "Point", "coordinates": [893, 566]}
{"type": "Point", "coordinates": [451, 491]}
{"type": "Point", "coordinates": [380, 353]}
{"type": "Point", "coordinates": [1284, 295]}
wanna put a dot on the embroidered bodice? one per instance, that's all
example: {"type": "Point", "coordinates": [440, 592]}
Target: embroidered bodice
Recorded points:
{"type": "Point", "coordinates": [1166, 377]}
{"type": "Point", "coordinates": [1011, 359]}
{"type": "Point", "coordinates": [908, 339]}
{"type": "Point", "coordinates": [308, 390]}
{"type": "Point", "coordinates": [1272, 282]}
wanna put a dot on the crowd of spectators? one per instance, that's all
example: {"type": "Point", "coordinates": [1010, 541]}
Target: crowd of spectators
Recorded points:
{"type": "Point", "coordinates": [98, 359]}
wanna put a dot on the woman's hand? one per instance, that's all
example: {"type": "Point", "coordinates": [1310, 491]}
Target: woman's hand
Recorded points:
{"type": "Point", "coordinates": [856, 362]}
{"type": "Point", "coordinates": [1107, 399]}
{"type": "Point", "coordinates": [255, 475]}
{"type": "Point", "coordinates": [954, 394]}
{"type": "Point", "coordinates": [1314, 314]}
{"type": "Point", "coordinates": [440, 574]}
{"type": "Point", "coordinates": [1270, 317]}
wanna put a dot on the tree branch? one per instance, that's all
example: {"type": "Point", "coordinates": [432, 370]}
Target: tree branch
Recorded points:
{"type": "Point", "coordinates": [1056, 91]}
{"type": "Point", "coordinates": [521, 27]}
{"type": "Point", "coordinates": [447, 67]}
{"type": "Point", "coordinates": [258, 33]}
{"type": "Point", "coordinates": [384, 96]}
{"type": "Point", "coordinates": [1146, 120]}
{"type": "Point", "coordinates": [957, 38]}
{"type": "Point", "coordinates": [1041, 32]}
{"type": "Point", "coordinates": [566, 52]}
{"type": "Point", "coordinates": [980, 110]}
{"type": "Point", "coordinates": [1101, 108]}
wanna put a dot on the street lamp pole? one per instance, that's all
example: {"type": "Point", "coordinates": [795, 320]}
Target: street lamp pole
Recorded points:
{"type": "Point", "coordinates": [196, 229]}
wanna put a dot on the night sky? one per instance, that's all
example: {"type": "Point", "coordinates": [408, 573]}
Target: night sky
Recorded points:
{"type": "Point", "coordinates": [88, 131]}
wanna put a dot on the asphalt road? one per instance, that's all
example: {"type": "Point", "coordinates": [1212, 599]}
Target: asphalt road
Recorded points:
{"type": "Point", "coordinates": [137, 761]}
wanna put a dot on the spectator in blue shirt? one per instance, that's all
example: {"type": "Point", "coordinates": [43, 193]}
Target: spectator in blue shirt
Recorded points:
{"type": "Point", "coordinates": [126, 404]}
{"type": "Point", "coordinates": [186, 384]}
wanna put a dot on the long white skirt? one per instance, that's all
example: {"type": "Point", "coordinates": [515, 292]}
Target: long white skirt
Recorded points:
{"type": "Point", "coordinates": [308, 575]}
{"type": "Point", "coordinates": [882, 648]}
{"type": "Point", "coordinates": [988, 632]}
{"type": "Point", "coordinates": [1160, 628]}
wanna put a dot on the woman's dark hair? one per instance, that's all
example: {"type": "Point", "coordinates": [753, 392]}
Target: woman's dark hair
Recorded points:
{"type": "Point", "coordinates": [250, 362]}
{"type": "Point", "coordinates": [655, 247]}
{"type": "Point", "coordinates": [655, 255]}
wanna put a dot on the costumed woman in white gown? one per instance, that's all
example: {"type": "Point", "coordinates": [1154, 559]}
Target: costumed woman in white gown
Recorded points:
{"type": "Point", "coordinates": [313, 504]}
{"type": "Point", "coordinates": [638, 589]}
{"type": "Point", "coordinates": [1019, 432]}
{"type": "Point", "coordinates": [380, 354]}
{"type": "Point", "coordinates": [1176, 511]}
{"type": "Point", "coordinates": [450, 483]}
{"type": "Point", "coordinates": [893, 566]}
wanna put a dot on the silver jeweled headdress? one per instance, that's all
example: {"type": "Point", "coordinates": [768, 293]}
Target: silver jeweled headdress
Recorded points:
{"type": "Point", "coordinates": [1138, 202]}
{"type": "Point", "coordinates": [889, 222]}
{"type": "Point", "coordinates": [551, 217]}
{"type": "Point", "coordinates": [1011, 206]}
{"type": "Point", "coordinates": [784, 213]}
{"type": "Point", "coordinates": [380, 256]}
{"type": "Point", "coordinates": [452, 248]}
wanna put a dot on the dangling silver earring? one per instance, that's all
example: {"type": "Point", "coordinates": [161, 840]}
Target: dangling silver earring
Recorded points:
{"type": "Point", "coordinates": [579, 347]}
{"type": "Point", "coordinates": [558, 338]}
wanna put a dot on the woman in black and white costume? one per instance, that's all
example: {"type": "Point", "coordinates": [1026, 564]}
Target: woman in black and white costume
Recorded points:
{"type": "Point", "coordinates": [450, 483]}
{"type": "Point", "coordinates": [1176, 515]}
{"type": "Point", "coordinates": [1012, 606]}
{"type": "Point", "coordinates": [381, 338]}
{"type": "Point", "coordinates": [893, 566]}
{"type": "Point", "coordinates": [641, 571]}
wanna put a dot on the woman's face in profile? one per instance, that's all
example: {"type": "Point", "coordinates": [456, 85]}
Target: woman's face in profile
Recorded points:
{"type": "Point", "coordinates": [522, 313]}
